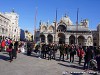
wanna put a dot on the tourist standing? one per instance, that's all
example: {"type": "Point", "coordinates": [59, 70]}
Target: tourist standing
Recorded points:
{"type": "Point", "coordinates": [87, 58]}
{"type": "Point", "coordinates": [53, 51]}
{"type": "Point", "coordinates": [3, 43]}
{"type": "Point", "coordinates": [49, 51]}
{"type": "Point", "coordinates": [62, 51]}
{"type": "Point", "coordinates": [80, 53]}
{"type": "Point", "coordinates": [98, 61]}
{"type": "Point", "coordinates": [67, 50]}
{"type": "Point", "coordinates": [14, 51]}
{"type": "Point", "coordinates": [29, 49]}
{"type": "Point", "coordinates": [43, 50]}
{"type": "Point", "coordinates": [9, 49]}
{"type": "Point", "coordinates": [72, 53]}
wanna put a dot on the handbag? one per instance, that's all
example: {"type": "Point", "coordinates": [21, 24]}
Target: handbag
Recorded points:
{"type": "Point", "coordinates": [8, 50]}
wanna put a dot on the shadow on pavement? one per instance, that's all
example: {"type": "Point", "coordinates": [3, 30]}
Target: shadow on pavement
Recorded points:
{"type": "Point", "coordinates": [5, 53]}
{"type": "Point", "coordinates": [4, 57]}
{"type": "Point", "coordinates": [32, 55]}
{"type": "Point", "coordinates": [72, 66]}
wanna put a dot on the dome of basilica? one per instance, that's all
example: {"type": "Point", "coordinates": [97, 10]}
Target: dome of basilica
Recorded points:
{"type": "Point", "coordinates": [66, 20]}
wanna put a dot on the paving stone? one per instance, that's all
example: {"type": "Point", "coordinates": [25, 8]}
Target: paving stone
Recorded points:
{"type": "Point", "coordinates": [30, 65]}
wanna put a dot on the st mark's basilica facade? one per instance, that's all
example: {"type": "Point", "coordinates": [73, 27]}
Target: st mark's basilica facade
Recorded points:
{"type": "Point", "coordinates": [66, 32]}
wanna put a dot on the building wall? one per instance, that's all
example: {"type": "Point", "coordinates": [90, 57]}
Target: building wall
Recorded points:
{"type": "Point", "coordinates": [95, 38]}
{"type": "Point", "coordinates": [4, 26]}
{"type": "Point", "coordinates": [99, 35]}
{"type": "Point", "coordinates": [9, 26]}
{"type": "Point", "coordinates": [65, 29]}
{"type": "Point", "coordinates": [28, 36]}
{"type": "Point", "coordinates": [22, 35]}
{"type": "Point", "coordinates": [36, 36]}
{"type": "Point", "coordinates": [15, 29]}
{"type": "Point", "coordinates": [91, 37]}
{"type": "Point", "coordinates": [98, 29]}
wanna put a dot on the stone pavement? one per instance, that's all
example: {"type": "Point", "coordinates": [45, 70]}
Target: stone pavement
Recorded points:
{"type": "Point", "coordinates": [31, 65]}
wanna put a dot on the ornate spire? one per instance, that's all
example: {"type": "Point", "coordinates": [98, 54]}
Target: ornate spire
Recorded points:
{"type": "Point", "coordinates": [40, 22]}
{"type": "Point", "coordinates": [65, 15]}
{"type": "Point", "coordinates": [13, 10]}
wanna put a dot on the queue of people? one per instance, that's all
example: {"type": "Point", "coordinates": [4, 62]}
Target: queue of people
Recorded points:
{"type": "Point", "coordinates": [48, 51]}
{"type": "Point", "coordinates": [87, 53]}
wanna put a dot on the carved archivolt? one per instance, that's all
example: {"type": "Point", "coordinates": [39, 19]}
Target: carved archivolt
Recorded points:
{"type": "Point", "coordinates": [51, 28]}
{"type": "Point", "coordinates": [89, 40]}
{"type": "Point", "coordinates": [43, 28]}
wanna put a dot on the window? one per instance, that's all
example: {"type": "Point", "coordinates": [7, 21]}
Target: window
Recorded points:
{"type": "Point", "coordinates": [12, 23]}
{"type": "Point", "coordinates": [15, 30]}
{"type": "Point", "coordinates": [2, 30]}
{"type": "Point", "coordinates": [4, 22]}
{"type": "Point", "coordinates": [0, 20]}
{"type": "Point", "coordinates": [6, 30]}
{"type": "Point", "coordinates": [94, 38]}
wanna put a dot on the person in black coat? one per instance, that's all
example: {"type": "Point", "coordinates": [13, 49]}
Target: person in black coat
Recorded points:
{"type": "Point", "coordinates": [72, 53]}
{"type": "Point", "coordinates": [98, 61]}
{"type": "Point", "coordinates": [87, 57]}
{"type": "Point", "coordinates": [15, 49]}
{"type": "Point", "coordinates": [67, 47]}
{"type": "Point", "coordinates": [43, 52]}
{"type": "Point", "coordinates": [62, 51]}
{"type": "Point", "coordinates": [49, 51]}
{"type": "Point", "coordinates": [29, 48]}
{"type": "Point", "coordinates": [10, 52]}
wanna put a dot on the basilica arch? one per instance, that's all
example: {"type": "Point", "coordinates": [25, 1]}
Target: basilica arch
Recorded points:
{"type": "Point", "coordinates": [42, 38]}
{"type": "Point", "coordinates": [72, 39]}
{"type": "Point", "coordinates": [95, 41]}
{"type": "Point", "coordinates": [61, 37]}
{"type": "Point", "coordinates": [61, 28]}
{"type": "Point", "coordinates": [50, 38]}
{"type": "Point", "coordinates": [51, 28]}
{"type": "Point", "coordinates": [90, 41]}
{"type": "Point", "coordinates": [43, 28]}
{"type": "Point", "coordinates": [81, 40]}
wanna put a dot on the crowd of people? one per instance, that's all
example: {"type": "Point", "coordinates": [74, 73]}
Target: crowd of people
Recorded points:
{"type": "Point", "coordinates": [11, 47]}
{"type": "Point", "coordinates": [90, 54]}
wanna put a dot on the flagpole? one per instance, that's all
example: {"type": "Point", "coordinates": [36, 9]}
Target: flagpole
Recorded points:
{"type": "Point", "coordinates": [55, 27]}
{"type": "Point", "coordinates": [77, 26]}
{"type": "Point", "coordinates": [35, 25]}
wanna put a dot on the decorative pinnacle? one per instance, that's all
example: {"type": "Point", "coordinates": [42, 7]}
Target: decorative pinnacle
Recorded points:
{"type": "Point", "coordinates": [13, 10]}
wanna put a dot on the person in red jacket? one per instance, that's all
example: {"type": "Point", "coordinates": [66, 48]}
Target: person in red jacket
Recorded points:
{"type": "Point", "coordinates": [3, 45]}
{"type": "Point", "coordinates": [80, 53]}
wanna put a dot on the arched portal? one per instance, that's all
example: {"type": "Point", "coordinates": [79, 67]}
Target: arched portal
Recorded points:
{"type": "Point", "coordinates": [42, 38]}
{"type": "Point", "coordinates": [72, 39]}
{"type": "Point", "coordinates": [50, 38]}
{"type": "Point", "coordinates": [81, 40]}
{"type": "Point", "coordinates": [94, 41]}
{"type": "Point", "coordinates": [61, 28]}
{"type": "Point", "coordinates": [61, 38]}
